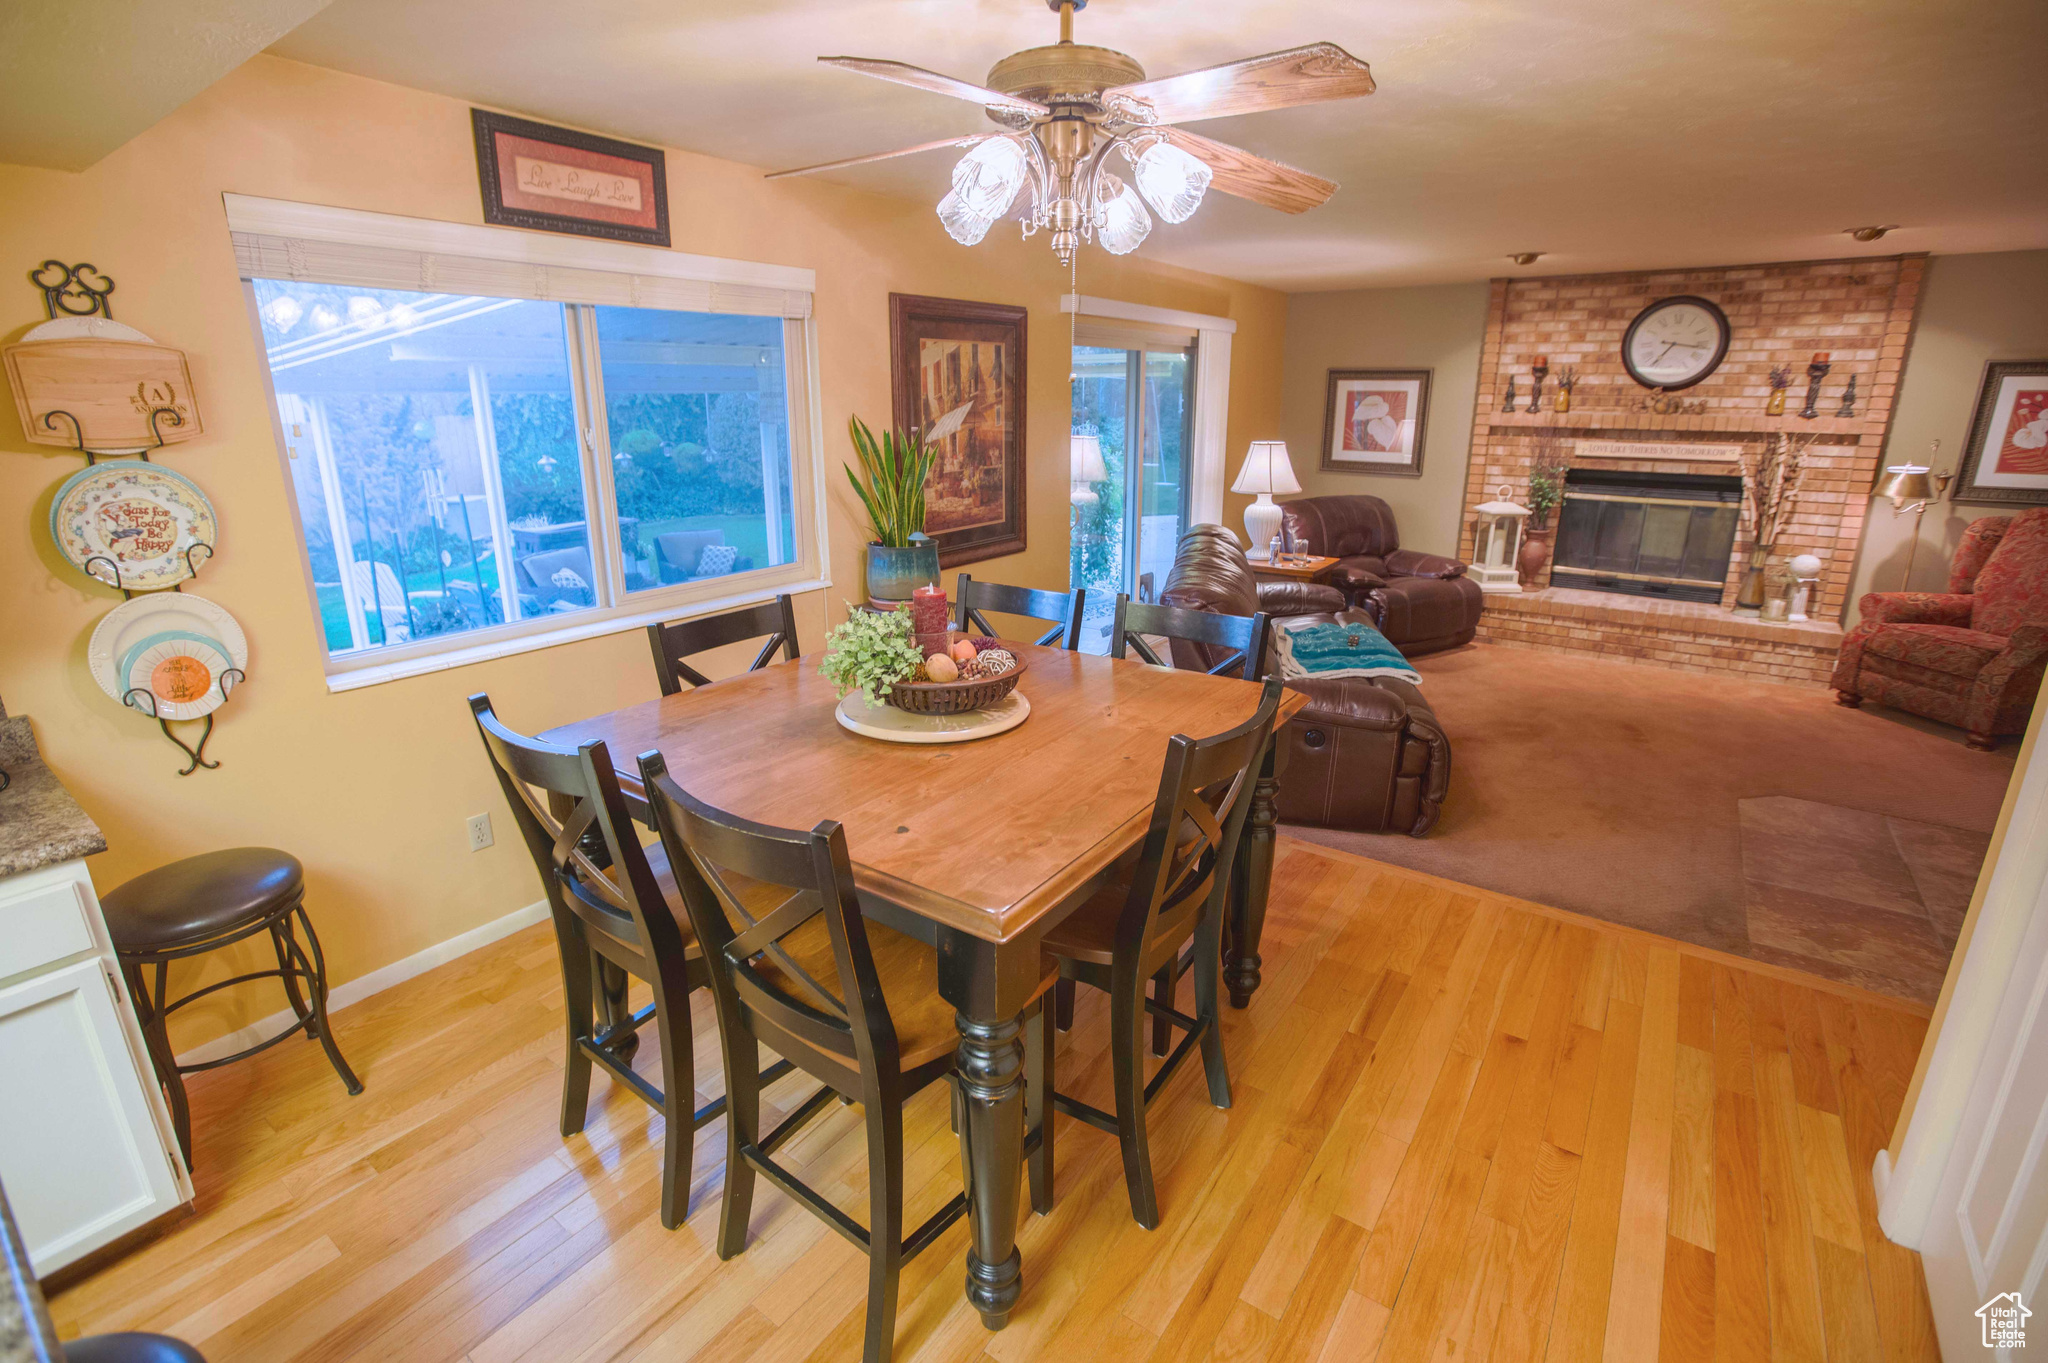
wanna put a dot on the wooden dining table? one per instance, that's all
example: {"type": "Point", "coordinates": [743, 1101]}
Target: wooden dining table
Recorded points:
{"type": "Point", "coordinates": [976, 847]}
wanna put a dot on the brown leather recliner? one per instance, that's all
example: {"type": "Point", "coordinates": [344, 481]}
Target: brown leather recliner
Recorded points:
{"type": "Point", "coordinates": [1367, 752]}
{"type": "Point", "coordinates": [1421, 602]}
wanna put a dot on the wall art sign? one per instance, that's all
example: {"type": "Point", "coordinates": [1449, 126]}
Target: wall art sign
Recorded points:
{"type": "Point", "coordinates": [1374, 419]}
{"type": "Point", "coordinates": [2006, 459]}
{"type": "Point", "coordinates": [559, 180]}
{"type": "Point", "coordinates": [1657, 452]}
{"type": "Point", "coordinates": [958, 375]}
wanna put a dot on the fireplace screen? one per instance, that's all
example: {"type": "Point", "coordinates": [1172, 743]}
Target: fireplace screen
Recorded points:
{"type": "Point", "coordinates": [1647, 534]}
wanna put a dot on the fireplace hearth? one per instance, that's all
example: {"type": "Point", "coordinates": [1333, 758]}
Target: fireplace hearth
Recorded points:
{"type": "Point", "coordinates": [1659, 535]}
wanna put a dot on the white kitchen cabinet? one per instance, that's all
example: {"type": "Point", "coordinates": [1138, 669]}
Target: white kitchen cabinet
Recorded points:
{"type": "Point", "coordinates": [86, 1148]}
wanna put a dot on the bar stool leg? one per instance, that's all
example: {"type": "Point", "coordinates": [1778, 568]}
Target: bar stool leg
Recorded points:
{"type": "Point", "coordinates": [287, 969]}
{"type": "Point", "coordinates": [319, 992]}
{"type": "Point", "coordinates": [150, 1013]}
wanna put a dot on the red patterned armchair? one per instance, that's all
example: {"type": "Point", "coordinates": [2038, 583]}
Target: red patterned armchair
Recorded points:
{"type": "Point", "coordinates": [1972, 656]}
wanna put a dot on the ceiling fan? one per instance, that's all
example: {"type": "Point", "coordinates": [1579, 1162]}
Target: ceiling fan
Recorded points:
{"type": "Point", "coordinates": [1067, 107]}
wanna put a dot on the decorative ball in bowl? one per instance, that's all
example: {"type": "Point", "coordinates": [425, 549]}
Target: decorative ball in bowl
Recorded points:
{"type": "Point", "coordinates": [974, 673]}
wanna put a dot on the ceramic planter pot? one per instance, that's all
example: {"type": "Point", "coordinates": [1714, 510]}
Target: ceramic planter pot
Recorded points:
{"type": "Point", "coordinates": [893, 574]}
{"type": "Point", "coordinates": [1533, 558]}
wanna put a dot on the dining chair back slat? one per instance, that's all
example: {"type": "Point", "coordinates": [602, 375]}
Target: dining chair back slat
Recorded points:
{"type": "Point", "coordinates": [675, 640]}
{"type": "Point", "coordinates": [1244, 633]}
{"type": "Point", "coordinates": [972, 598]}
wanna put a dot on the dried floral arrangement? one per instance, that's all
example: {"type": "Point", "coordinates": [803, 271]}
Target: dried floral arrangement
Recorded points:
{"type": "Point", "coordinates": [1770, 485]}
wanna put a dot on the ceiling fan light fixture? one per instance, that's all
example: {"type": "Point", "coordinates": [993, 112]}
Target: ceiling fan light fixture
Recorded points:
{"type": "Point", "coordinates": [962, 223]}
{"type": "Point", "coordinates": [1172, 181]}
{"type": "Point", "coordinates": [988, 177]}
{"type": "Point", "coordinates": [1121, 221]}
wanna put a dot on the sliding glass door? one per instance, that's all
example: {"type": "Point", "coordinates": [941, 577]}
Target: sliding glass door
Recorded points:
{"type": "Point", "coordinates": [1133, 405]}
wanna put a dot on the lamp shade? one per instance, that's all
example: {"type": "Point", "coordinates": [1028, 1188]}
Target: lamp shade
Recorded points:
{"type": "Point", "coordinates": [1906, 483]}
{"type": "Point", "coordinates": [1088, 465]}
{"type": "Point", "coordinates": [1266, 468]}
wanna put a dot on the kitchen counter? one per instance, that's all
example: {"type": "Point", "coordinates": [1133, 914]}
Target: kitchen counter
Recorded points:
{"type": "Point", "coordinates": [25, 1333]}
{"type": "Point", "coordinates": [40, 824]}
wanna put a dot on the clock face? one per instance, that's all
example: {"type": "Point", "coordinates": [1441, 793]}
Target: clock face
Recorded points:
{"type": "Point", "coordinates": [1675, 342]}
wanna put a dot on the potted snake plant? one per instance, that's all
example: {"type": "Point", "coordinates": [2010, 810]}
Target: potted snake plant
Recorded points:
{"type": "Point", "coordinates": [890, 484]}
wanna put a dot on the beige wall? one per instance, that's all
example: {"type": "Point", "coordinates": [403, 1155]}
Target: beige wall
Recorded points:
{"type": "Point", "coordinates": [370, 788]}
{"type": "Point", "coordinates": [1973, 309]}
{"type": "Point", "coordinates": [1438, 328]}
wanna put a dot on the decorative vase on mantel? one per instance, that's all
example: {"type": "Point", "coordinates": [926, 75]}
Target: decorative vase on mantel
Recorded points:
{"type": "Point", "coordinates": [893, 574]}
{"type": "Point", "coordinates": [1533, 558]}
{"type": "Point", "coordinates": [1749, 596]}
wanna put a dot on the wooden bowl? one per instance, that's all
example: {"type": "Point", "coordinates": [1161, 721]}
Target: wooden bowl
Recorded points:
{"type": "Point", "coordinates": [954, 697]}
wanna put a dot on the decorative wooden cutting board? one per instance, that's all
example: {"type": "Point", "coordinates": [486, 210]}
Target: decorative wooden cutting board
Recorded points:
{"type": "Point", "coordinates": [108, 388]}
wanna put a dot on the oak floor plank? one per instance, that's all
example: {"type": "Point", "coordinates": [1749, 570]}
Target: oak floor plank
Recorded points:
{"type": "Point", "coordinates": [1396, 1078]}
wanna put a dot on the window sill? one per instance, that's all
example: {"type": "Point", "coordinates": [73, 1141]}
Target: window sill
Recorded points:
{"type": "Point", "coordinates": [592, 626]}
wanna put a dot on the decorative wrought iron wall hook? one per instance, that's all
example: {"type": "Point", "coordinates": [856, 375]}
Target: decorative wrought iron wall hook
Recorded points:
{"type": "Point", "coordinates": [197, 753]}
{"type": "Point", "coordinates": [156, 430]}
{"type": "Point", "coordinates": [75, 290]}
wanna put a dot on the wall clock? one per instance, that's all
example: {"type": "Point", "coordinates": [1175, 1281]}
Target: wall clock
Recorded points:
{"type": "Point", "coordinates": [1675, 342]}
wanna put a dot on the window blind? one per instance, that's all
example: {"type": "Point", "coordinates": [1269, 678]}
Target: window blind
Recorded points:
{"type": "Point", "coordinates": [1118, 334]}
{"type": "Point", "coordinates": [274, 256]}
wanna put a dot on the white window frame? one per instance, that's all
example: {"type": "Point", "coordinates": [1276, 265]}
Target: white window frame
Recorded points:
{"type": "Point", "coordinates": [581, 273]}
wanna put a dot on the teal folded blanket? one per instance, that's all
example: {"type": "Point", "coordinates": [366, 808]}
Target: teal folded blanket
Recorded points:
{"type": "Point", "coordinates": [1339, 650]}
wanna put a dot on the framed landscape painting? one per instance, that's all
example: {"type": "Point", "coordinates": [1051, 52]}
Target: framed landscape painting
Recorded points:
{"type": "Point", "coordinates": [560, 180]}
{"type": "Point", "coordinates": [1373, 421]}
{"type": "Point", "coordinates": [2006, 459]}
{"type": "Point", "coordinates": [958, 372]}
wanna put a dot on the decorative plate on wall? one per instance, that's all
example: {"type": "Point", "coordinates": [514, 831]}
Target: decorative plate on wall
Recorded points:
{"type": "Point", "coordinates": [145, 518]}
{"type": "Point", "coordinates": [164, 644]}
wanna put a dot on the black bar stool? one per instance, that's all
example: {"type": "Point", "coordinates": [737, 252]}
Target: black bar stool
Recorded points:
{"type": "Point", "coordinates": [202, 904]}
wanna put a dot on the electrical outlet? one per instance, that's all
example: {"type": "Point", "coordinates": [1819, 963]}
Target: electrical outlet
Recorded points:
{"type": "Point", "coordinates": [479, 832]}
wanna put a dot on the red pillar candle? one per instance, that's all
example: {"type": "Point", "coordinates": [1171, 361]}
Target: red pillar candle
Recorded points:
{"type": "Point", "coordinates": [928, 618]}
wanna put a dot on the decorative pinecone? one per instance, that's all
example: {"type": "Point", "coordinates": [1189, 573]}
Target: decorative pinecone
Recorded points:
{"type": "Point", "coordinates": [992, 663]}
{"type": "Point", "coordinates": [982, 643]}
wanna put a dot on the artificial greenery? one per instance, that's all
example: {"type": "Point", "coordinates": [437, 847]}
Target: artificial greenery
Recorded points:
{"type": "Point", "coordinates": [1546, 489]}
{"type": "Point", "coordinates": [873, 650]}
{"type": "Point", "coordinates": [896, 467]}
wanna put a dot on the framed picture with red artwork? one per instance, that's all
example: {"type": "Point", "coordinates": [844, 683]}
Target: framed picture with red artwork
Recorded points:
{"type": "Point", "coordinates": [958, 375]}
{"type": "Point", "coordinates": [1373, 421]}
{"type": "Point", "coordinates": [559, 180]}
{"type": "Point", "coordinates": [2006, 460]}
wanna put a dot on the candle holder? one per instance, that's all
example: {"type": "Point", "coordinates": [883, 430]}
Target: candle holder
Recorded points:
{"type": "Point", "coordinates": [1508, 403]}
{"type": "Point", "coordinates": [1815, 372]}
{"type": "Point", "coordinates": [1536, 375]}
{"type": "Point", "coordinates": [1848, 407]}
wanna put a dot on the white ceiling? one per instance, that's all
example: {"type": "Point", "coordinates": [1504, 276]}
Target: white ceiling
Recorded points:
{"type": "Point", "coordinates": [1608, 134]}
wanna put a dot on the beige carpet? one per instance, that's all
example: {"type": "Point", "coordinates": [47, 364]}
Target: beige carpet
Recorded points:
{"type": "Point", "coordinates": [1622, 791]}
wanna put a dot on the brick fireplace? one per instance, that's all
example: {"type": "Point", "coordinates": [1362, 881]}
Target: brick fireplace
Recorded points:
{"type": "Point", "coordinates": [1858, 311]}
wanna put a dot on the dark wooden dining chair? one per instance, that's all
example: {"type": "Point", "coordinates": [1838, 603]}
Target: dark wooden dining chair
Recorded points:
{"type": "Point", "coordinates": [971, 598]}
{"type": "Point", "coordinates": [610, 900]}
{"type": "Point", "coordinates": [1244, 633]}
{"type": "Point", "coordinates": [1161, 920]}
{"type": "Point", "coordinates": [795, 967]}
{"type": "Point", "coordinates": [675, 640]}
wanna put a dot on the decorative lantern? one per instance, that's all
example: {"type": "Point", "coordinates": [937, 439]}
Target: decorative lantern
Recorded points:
{"type": "Point", "coordinates": [1498, 542]}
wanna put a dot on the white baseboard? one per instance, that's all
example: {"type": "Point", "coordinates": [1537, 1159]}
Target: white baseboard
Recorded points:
{"type": "Point", "coordinates": [376, 982]}
{"type": "Point", "coordinates": [1881, 1172]}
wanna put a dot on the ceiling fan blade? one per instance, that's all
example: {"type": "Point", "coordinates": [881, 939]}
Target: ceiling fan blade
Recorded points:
{"type": "Point", "coordinates": [1278, 80]}
{"type": "Point", "coordinates": [970, 140]}
{"type": "Point", "coordinates": [1239, 172]}
{"type": "Point", "coordinates": [920, 79]}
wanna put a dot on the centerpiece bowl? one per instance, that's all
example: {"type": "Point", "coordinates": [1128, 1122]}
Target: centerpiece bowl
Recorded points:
{"type": "Point", "coordinates": [955, 697]}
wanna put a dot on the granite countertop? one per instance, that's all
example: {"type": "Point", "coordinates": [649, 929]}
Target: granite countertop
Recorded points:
{"type": "Point", "coordinates": [25, 1333]}
{"type": "Point", "coordinates": [40, 824]}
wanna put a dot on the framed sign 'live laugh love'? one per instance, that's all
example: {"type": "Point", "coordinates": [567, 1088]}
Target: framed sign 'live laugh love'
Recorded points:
{"type": "Point", "coordinates": [560, 180]}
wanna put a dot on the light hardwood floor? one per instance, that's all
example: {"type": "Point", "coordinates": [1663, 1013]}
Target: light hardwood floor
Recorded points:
{"type": "Point", "coordinates": [1466, 1128]}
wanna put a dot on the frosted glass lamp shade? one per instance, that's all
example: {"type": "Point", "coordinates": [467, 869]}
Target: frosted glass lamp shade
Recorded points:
{"type": "Point", "coordinates": [1088, 465]}
{"type": "Point", "coordinates": [1172, 181]}
{"type": "Point", "coordinates": [1121, 221]}
{"type": "Point", "coordinates": [963, 224]}
{"type": "Point", "coordinates": [988, 177]}
{"type": "Point", "coordinates": [1266, 468]}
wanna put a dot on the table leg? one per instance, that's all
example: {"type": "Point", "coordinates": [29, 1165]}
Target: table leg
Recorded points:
{"type": "Point", "coordinates": [989, 984]}
{"type": "Point", "coordinates": [1254, 876]}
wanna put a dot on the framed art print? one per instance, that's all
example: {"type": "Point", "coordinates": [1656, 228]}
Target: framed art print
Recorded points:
{"type": "Point", "coordinates": [560, 180]}
{"type": "Point", "coordinates": [1373, 421]}
{"type": "Point", "coordinates": [958, 375]}
{"type": "Point", "coordinates": [2006, 459]}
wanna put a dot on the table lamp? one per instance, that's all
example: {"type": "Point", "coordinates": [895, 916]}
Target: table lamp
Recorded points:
{"type": "Point", "coordinates": [1905, 483]}
{"type": "Point", "coordinates": [1088, 468]}
{"type": "Point", "coordinates": [1265, 471]}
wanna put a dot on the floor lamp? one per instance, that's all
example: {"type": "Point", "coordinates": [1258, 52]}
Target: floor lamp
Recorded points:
{"type": "Point", "coordinates": [1910, 483]}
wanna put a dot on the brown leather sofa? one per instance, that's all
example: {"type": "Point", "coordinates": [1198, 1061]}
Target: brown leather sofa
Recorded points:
{"type": "Point", "coordinates": [1421, 602]}
{"type": "Point", "coordinates": [1367, 752]}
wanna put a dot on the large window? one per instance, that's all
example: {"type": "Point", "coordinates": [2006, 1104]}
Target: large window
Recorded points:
{"type": "Point", "coordinates": [472, 469]}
